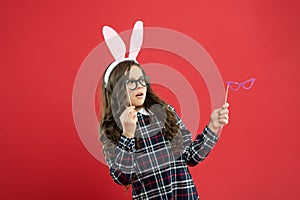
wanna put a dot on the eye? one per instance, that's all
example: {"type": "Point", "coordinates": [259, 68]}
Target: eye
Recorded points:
{"type": "Point", "coordinates": [130, 82]}
{"type": "Point", "coordinates": [142, 79]}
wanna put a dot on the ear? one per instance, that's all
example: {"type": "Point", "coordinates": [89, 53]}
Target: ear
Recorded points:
{"type": "Point", "coordinates": [114, 42]}
{"type": "Point", "coordinates": [136, 40]}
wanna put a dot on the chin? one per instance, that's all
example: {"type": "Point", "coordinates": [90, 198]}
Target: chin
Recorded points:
{"type": "Point", "coordinates": [138, 103]}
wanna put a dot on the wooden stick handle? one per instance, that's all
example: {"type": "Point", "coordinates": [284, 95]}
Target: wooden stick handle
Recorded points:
{"type": "Point", "coordinates": [128, 95]}
{"type": "Point", "coordinates": [226, 93]}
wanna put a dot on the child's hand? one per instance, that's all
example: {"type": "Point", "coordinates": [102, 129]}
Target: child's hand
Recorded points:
{"type": "Point", "coordinates": [128, 119]}
{"type": "Point", "coordinates": [218, 118]}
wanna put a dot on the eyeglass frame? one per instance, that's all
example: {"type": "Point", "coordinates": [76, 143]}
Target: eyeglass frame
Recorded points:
{"type": "Point", "coordinates": [146, 78]}
{"type": "Point", "coordinates": [229, 83]}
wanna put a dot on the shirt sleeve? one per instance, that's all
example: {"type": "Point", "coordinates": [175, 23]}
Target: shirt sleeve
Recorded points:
{"type": "Point", "coordinates": [195, 151]}
{"type": "Point", "coordinates": [120, 160]}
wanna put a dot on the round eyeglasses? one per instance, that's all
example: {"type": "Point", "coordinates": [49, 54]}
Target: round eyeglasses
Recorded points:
{"type": "Point", "coordinates": [133, 84]}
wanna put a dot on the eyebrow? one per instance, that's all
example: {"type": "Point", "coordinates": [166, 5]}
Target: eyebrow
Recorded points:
{"type": "Point", "coordinates": [132, 78]}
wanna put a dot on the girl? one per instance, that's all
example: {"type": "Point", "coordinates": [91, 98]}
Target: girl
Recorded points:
{"type": "Point", "coordinates": [145, 143]}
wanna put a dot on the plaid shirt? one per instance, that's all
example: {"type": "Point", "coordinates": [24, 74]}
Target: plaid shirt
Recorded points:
{"type": "Point", "coordinates": [152, 167]}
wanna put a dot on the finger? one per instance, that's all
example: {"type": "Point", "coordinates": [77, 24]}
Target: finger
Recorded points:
{"type": "Point", "coordinates": [217, 110]}
{"type": "Point", "coordinates": [223, 111]}
{"type": "Point", "coordinates": [131, 109]}
{"type": "Point", "coordinates": [125, 114]}
{"type": "Point", "coordinates": [135, 118]}
{"type": "Point", "coordinates": [128, 110]}
{"type": "Point", "coordinates": [132, 114]}
{"type": "Point", "coordinates": [223, 120]}
{"type": "Point", "coordinates": [225, 105]}
{"type": "Point", "coordinates": [225, 116]}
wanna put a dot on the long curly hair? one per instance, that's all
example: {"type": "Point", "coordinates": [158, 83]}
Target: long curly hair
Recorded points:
{"type": "Point", "coordinates": [115, 100]}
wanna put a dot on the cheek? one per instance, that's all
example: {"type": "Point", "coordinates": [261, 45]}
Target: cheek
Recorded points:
{"type": "Point", "coordinates": [130, 93]}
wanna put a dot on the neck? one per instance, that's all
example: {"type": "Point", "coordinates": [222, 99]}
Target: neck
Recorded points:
{"type": "Point", "coordinates": [137, 108]}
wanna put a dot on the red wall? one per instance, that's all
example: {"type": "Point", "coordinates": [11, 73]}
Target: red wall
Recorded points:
{"type": "Point", "coordinates": [44, 43]}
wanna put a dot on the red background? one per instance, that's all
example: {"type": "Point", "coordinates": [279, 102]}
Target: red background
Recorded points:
{"type": "Point", "coordinates": [43, 44]}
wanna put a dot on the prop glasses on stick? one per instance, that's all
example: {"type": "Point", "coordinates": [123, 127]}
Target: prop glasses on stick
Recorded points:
{"type": "Point", "coordinates": [235, 86]}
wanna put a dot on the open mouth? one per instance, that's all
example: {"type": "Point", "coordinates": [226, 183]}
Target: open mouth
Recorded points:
{"type": "Point", "coordinates": [139, 94]}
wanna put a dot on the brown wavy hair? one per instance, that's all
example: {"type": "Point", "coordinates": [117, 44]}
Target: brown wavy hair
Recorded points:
{"type": "Point", "coordinates": [115, 100]}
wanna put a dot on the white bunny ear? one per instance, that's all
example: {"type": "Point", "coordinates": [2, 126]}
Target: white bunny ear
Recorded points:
{"type": "Point", "coordinates": [136, 40]}
{"type": "Point", "coordinates": [114, 42]}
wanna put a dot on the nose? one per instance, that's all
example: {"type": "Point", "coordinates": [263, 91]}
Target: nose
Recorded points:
{"type": "Point", "coordinates": [139, 85]}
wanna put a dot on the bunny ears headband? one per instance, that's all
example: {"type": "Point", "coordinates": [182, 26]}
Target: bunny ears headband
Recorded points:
{"type": "Point", "coordinates": [117, 46]}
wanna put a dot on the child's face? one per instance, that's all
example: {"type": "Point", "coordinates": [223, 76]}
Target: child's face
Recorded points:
{"type": "Point", "coordinates": [137, 95]}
